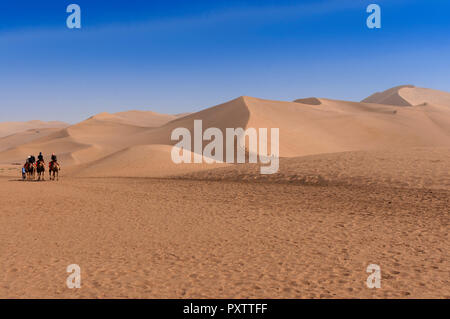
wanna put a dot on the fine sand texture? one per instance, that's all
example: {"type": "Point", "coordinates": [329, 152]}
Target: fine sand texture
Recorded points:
{"type": "Point", "coordinates": [232, 237]}
{"type": "Point", "coordinates": [425, 168]}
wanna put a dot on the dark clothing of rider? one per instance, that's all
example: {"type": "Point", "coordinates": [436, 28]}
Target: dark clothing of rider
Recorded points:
{"type": "Point", "coordinates": [54, 158]}
{"type": "Point", "coordinates": [40, 158]}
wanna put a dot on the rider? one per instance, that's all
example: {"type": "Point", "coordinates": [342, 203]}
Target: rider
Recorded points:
{"type": "Point", "coordinates": [32, 159]}
{"type": "Point", "coordinates": [27, 162]}
{"type": "Point", "coordinates": [40, 157]}
{"type": "Point", "coordinates": [53, 161]}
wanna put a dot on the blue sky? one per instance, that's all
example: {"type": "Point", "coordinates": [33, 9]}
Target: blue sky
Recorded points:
{"type": "Point", "coordinates": [181, 56]}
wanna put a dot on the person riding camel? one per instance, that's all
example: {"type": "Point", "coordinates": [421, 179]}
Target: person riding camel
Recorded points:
{"type": "Point", "coordinates": [53, 161]}
{"type": "Point", "coordinates": [40, 157]}
{"type": "Point", "coordinates": [32, 159]}
{"type": "Point", "coordinates": [27, 162]}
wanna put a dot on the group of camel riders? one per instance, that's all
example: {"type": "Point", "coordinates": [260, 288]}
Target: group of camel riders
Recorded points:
{"type": "Point", "coordinates": [31, 165]}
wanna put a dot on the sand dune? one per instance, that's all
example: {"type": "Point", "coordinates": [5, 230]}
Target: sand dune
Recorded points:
{"type": "Point", "coordinates": [234, 113]}
{"type": "Point", "coordinates": [408, 95]}
{"type": "Point", "coordinates": [137, 118]}
{"type": "Point", "coordinates": [331, 126]}
{"type": "Point", "coordinates": [139, 161]}
{"type": "Point", "coordinates": [313, 128]}
{"type": "Point", "coordinates": [89, 140]}
{"type": "Point", "coordinates": [222, 116]}
{"type": "Point", "coordinates": [337, 126]}
{"type": "Point", "coordinates": [25, 137]}
{"type": "Point", "coordinates": [9, 128]}
{"type": "Point", "coordinates": [307, 127]}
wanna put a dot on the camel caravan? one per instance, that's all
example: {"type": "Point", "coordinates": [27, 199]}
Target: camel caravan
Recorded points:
{"type": "Point", "coordinates": [36, 169]}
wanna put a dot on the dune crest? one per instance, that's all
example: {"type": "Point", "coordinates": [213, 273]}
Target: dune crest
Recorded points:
{"type": "Point", "coordinates": [25, 137]}
{"type": "Point", "coordinates": [137, 118]}
{"type": "Point", "coordinates": [10, 128]}
{"type": "Point", "coordinates": [310, 101]}
{"type": "Point", "coordinates": [409, 95]}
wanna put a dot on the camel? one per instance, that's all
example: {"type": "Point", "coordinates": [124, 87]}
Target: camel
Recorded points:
{"type": "Point", "coordinates": [40, 169]}
{"type": "Point", "coordinates": [30, 170]}
{"type": "Point", "coordinates": [54, 168]}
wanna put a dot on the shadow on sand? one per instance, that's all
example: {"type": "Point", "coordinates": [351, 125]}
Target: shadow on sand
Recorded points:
{"type": "Point", "coordinates": [29, 181]}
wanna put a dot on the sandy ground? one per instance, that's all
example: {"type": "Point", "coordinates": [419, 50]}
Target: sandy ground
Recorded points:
{"type": "Point", "coordinates": [425, 167]}
{"type": "Point", "coordinates": [158, 238]}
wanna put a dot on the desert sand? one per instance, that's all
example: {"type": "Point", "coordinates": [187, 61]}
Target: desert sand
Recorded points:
{"type": "Point", "coordinates": [409, 95]}
{"type": "Point", "coordinates": [359, 183]}
{"type": "Point", "coordinates": [10, 128]}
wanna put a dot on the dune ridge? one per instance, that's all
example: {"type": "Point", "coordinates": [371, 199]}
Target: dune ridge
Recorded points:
{"type": "Point", "coordinates": [17, 139]}
{"type": "Point", "coordinates": [10, 128]}
{"type": "Point", "coordinates": [137, 118]}
{"type": "Point", "coordinates": [409, 95]}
